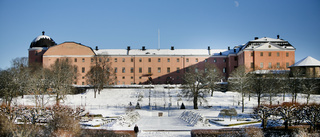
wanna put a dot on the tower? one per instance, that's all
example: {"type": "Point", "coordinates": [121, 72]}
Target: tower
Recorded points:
{"type": "Point", "coordinates": [38, 47]}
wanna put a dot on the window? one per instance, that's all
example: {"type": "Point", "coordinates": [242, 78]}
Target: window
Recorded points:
{"type": "Point", "coordinates": [206, 60]}
{"type": "Point", "coordinates": [140, 78]}
{"type": "Point", "coordinates": [168, 69]}
{"type": "Point", "coordinates": [36, 53]}
{"type": "Point", "coordinates": [149, 70]}
{"type": "Point", "coordinates": [251, 53]}
{"type": "Point", "coordinates": [261, 54]}
{"type": "Point", "coordinates": [159, 60]}
{"type": "Point", "coordinates": [168, 59]}
{"type": "Point", "coordinates": [287, 54]}
{"type": "Point", "coordinates": [131, 59]}
{"type": "Point", "coordinates": [108, 59]}
{"type": "Point", "coordinates": [140, 60]}
{"type": "Point", "coordinates": [131, 70]}
{"type": "Point", "coordinates": [75, 60]}
{"type": "Point", "coordinates": [278, 54]}
{"type": "Point", "coordinates": [82, 83]}
{"type": "Point", "coordinates": [224, 70]}
{"type": "Point", "coordinates": [140, 70]}
{"type": "Point", "coordinates": [224, 60]}
{"type": "Point", "coordinates": [214, 60]}
{"type": "Point", "coordinates": [82, 77]}
{"type": "Point", "coordinates": [131, 77]}
{"type": "Point", "coordinates": [115, 60]}
{"type": "Point", "coordinates": [214, 70]}
{"type": "Point", "coordinates": [197, 60]}
{"type": "Point", "coordinates": [287, 64]}
{"type": "Point", "coordinates": [159, 70]}
{"type": "Point", "coordinates": [178, 60]}
{"type": "Point", "coordinates": [187, 60]}
{"type": "Point", "coordinates": [270, 65]}
{"type": "Point", "coordinates": [83, 69]}
{"type": "Point", "coordinates": [83, 59]}
{"type": "Point", "coordinates": [235, 58]}
{"type": "Point", "coordinates": [123, 77]}
{"type": "Point", "coordinates": [261, 65]}
{"type": "Point", "coordinates": [252, 65]}
{"type": "Point", "coordinates": [178, 70]}
{"type": "Point", "coordinates": [100, 59]}
{"type": "Point", "coordinates": [91, 59]}
{"type": "Point", "coordinates": [123, 70]}
{"type": "Point", "coordinates": [115, 70]}
{"type": "Point", "coordinates": [149, 59]}
{"type": "Point", "coordinates": [196, 70]}
{"type": "Point", "coordinates": [269, 54]}
{"type": "Point", "coordinates": [123, 60]}
{"type": "Point", "coordinates": [278, 65]}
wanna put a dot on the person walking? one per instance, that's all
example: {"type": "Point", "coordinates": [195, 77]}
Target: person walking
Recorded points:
{"type": "Point", "coordinates": [136, 130]}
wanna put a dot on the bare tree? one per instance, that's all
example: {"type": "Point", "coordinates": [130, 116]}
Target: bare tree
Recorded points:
{"type": "Point", "coordinates": [194, 85]}
{"type": "Point", "coordinates": [39, 85]}
{"type": "Point", "coordinates": [213, 75]}
{"type": "Point", "coordinates": [62, 76]}
{"type": "Point", "coordinates": [239, 82]}
{"type": "Point", "coordinates": [21, 73]}
{"type": "Point", "coordinates": [8, 86]}
{"type": "Point", "coordinates": [100, 74]}
{"type": "Point", "coordinates": [309, 86]}
{"type": "Point", "coordinates": [255, 85]}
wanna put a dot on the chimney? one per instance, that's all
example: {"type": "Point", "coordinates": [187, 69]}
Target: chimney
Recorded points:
{"type": "Point", "coordinates": [220, 53]}
{"type": "Point", "coordinates": [143, 48]}
{"type": "Point", "coordinates": [128, 49]}
{"type": "Point", "coordinates": [209, 50]}
{"type": "Point", "coordinates": [97, 48]}
{"type": "Point", "coordinates": [172, 47]}
{"type": "Point", "coordinates": [278, 36]}
{"type": "Point", "coordinates": [234, 50]}
{"type": "Point", "coordinates": [255, 38]}
{"type": "Point", "coordinates": [228, 47]}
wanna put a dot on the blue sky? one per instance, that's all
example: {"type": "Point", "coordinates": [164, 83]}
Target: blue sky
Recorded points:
{"type": "Point", "coordinates": [183, 23]}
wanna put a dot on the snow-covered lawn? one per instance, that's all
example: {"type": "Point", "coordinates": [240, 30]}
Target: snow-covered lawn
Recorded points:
{"type": "Point", "coordinates": [115, 103]}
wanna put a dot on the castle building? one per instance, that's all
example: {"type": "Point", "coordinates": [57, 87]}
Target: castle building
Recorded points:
{"type": "Point", "coordinates": [163, 66]}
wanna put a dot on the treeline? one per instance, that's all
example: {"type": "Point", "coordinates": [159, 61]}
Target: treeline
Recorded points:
{"type": "Point", "coordinates": [22, 79]}
{"type": "Point", "coordinates": [270, 85]}
{"type": "Point", "coordinates": [290, 113]}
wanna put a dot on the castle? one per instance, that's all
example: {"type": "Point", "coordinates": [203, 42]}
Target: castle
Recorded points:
{"type": "Point", "coordinates": [137, 66]}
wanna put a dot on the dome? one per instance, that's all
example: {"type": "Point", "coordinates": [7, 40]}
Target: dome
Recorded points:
{"type": "Point", "coordinates": [42, 41]}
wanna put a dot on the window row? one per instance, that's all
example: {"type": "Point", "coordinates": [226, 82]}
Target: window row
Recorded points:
{"type": "Point", "coordinates": [270, 65]}
{"type": "Point", "coordinates": [123, 70]}
{"type": "Point", "coordinates": [270, 54]}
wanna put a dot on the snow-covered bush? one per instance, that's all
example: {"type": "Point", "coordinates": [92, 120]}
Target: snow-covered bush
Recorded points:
{"type": "Point", "coordinates": [194, 118]}
{"type": "Point", "coordinates": [128, 119]}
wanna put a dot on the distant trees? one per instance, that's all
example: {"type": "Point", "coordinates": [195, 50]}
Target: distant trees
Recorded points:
{"type": "Point", "coordinates": [290, 113]}
{"type": "Point", "coordinates": [100, 74]}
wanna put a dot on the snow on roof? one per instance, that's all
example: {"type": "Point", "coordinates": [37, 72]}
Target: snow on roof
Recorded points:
{"type": "Point", "coordinates": [164, 52]}
{"type": "Point", "coordinates": [41, 37]}
{"type": "Point", "coordinates": [268, 39]}
{"type": "Point", "coordinates": [307, 61]}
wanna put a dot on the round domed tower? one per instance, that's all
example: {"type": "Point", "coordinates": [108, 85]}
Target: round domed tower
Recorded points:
{"type": "Point", "coordinates": [38, 47]}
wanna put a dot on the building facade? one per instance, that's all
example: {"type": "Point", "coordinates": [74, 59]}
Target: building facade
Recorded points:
{"type": "Point", "coordinates": [163, 66]}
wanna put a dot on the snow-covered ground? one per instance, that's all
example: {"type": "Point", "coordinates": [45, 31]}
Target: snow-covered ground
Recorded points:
{"type": "Point", "coordinates": [116, 102]}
